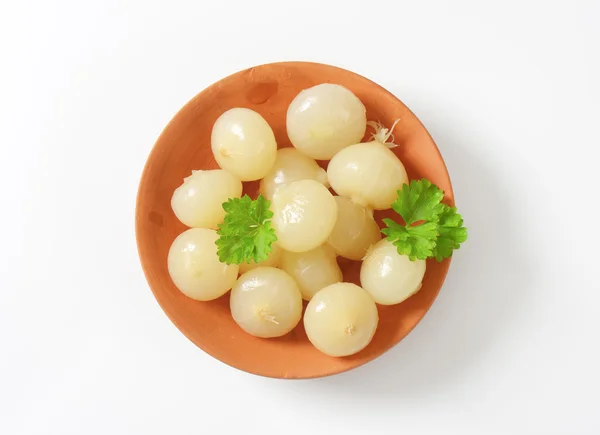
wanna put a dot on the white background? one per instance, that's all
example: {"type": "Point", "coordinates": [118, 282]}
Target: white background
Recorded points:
{"type": "Point", "coordinates": [509, 90]}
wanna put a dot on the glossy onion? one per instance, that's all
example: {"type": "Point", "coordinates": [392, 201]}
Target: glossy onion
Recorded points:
{"type": "Point", "coordinates": [243, 144]}
{"type": "Point", "coordinates": [341, 319]}
{"type": "Point", "coordinates": [198, 202]}
{"type": "Point", "coordinates": [312, 270]}
{"type": "Point", "coordinates": [304, 213]}
{"type": "Point", "coordinates": [390, 277]}
{"type": "Point", "coordinates": [272, 260]}
{"type": "Point", "coordinates": [195, 268]}
{"type": "Point", "coordinates": [291, 165]}
{"type": "Point", "coordinates": [266, 302]}
{"type": "Point", "coordinates": [324, 119]}
{"type": "Point", "coordinates": [368, 173]}
{"type": "Point", "coordinates": [355, 230]}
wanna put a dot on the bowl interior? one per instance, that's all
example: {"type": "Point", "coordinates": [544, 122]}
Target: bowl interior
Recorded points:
{"type": "Point", "coordinates": [185, 145]}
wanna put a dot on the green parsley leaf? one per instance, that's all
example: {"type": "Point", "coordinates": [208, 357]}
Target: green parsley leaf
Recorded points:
{"type": "Point", "coordinates": [417, 242]}
{"type": "Point", "coordinates": [246, 234]}
{"type": "Point", "coordinates": [431, 229]}
{"type": "Point", "coordinates": [421, 201]}
{"type": "Point", "coordinates": [451, 233]}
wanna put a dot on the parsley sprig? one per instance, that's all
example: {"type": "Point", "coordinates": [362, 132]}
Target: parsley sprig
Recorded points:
{"type": "Point", "coordinates": [431, 229]}
{"type": "Point", "coordinates": [246, 234]}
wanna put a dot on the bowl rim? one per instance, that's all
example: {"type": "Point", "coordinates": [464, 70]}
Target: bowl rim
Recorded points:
{"type": "Point", "coordinates": [448, 194]}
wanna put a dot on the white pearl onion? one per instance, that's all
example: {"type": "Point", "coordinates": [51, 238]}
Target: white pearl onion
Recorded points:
{"type": "Point", "coordinates": [243, 143]}
{"type": "Point", "coordinates": [390, 277]}
{"type": "Point", "coordinates": [368, 173]}
{"type": "Point", "coordinates": [266, 302]}
{"type": "Point", "coordinates": [324, 119]}
{"type": "Point", "coordinates": [341, 319]}
{"type": "Point", "coordinates": [312, 270]}
{"type": "Point", "coordinates": [195, 268]}
{"type": "Point", "coordinates": [198, 202]}
{"type": "Point", "coordinates": [291, 165]}
{"type": "Point", "coordinates": [355, 230]}
{"type": "Point", "coordinates": [304, 213]}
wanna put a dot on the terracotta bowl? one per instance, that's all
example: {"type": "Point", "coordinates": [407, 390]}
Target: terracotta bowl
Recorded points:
{"type": "Point", "coordinates": [185, 145]}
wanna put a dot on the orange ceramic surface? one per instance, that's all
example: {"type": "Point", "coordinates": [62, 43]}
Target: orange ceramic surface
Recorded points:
{"type": "Point", "coordinates": [185, 145]}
